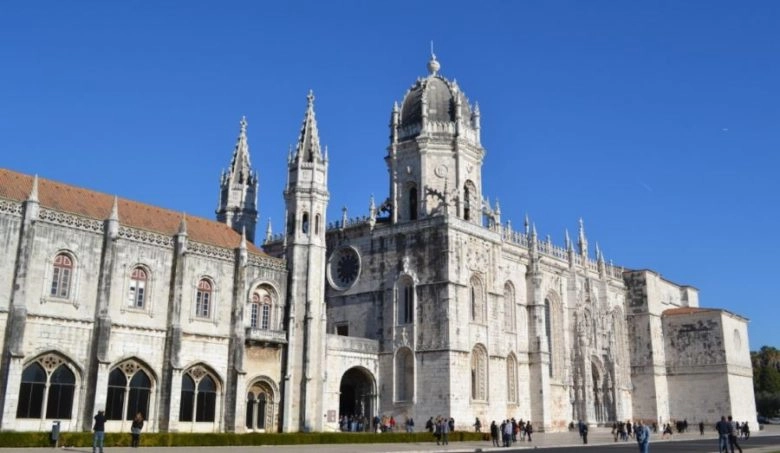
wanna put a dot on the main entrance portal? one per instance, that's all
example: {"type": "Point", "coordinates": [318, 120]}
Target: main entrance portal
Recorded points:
{"type": "Point", "coordinates": [357, 393]}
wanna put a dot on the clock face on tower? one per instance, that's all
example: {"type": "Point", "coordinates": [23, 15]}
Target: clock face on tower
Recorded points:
{"type": "Point", "coordinates": [343, 268]}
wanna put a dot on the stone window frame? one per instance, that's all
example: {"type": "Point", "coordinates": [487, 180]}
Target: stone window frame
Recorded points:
{"type": "Point", "coordinates": [479, 373]}
{"type": "Point", "coordinates": [148, 287]}
{"type": "Point", "coordinates": [262, 385]}
{"type": "Point", "coordinates": [405, 308]}
{"type": "Point", "coordinates": [197, 372]}
{"type": "Point", "coordinates": [554, 323]}
{"type": "Point", "coordinates": [510, 306]}
{"type": "Point", "coordinates": [130, 367]}
{"type": "Point", "coordinates": [269, 300]}
{"type": "Point", "coordinates": [75, 274]}
{"type": "Point", "coordinates": [50, 362]}
{"type": "Point", "coordinates": [404, 376]}
{"type": "Point", "coordinates": [212, 314]}
{"type": "Point", "coordinates": [477, 300]}
{"type": "Point", "coordinates": [511, 378]}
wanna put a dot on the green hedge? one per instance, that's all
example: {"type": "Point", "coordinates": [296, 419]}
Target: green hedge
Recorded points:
{"type": "Point", "coordinates": [84, 439]}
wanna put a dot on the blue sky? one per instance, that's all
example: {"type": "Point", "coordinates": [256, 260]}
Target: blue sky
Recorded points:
{"type": "Point", "coordinates": [657, 122]}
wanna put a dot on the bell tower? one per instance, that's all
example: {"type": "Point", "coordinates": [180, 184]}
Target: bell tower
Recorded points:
{"type": "Point", "coordinates": [306, 200]}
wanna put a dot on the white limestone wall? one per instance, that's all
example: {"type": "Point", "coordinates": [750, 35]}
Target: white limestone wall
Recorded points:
{"type": "Point", "coordinates": [740, 369]}
{"type": "Point", "coordinates": [158, 262]}
{"type": "Point", "coordinates": [10, 223]}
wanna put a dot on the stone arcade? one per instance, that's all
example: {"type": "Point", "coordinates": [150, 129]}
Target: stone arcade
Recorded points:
{"type": "Point", "coordinates": [428, 306]}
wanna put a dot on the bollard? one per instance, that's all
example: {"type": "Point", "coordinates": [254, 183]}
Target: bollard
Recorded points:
{"type": "Point", "coordinates": [55, 433]}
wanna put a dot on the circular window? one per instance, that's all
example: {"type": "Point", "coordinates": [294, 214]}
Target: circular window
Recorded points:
{"type": "Point", "coordinates": [344, 268]}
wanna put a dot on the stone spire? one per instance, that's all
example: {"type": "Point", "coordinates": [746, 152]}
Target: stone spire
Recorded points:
{"type": "Point", "coordinates": [34, 191]}
{"type": "Point", "coordinates": [183, 225]}
{"type": "Point", "coordinates": [371, 212]}
{"type": "Point", "coordinates": [114, 216]}
{"type": "Point", "coordinates": [238, 189]}
{"type": "Point", "coordinates": [240, 166]}
{"type": "Point", "coordinates": [308, 147]}
{"type": "Point", "coordinates": [582, 242]}
{"type": "Point", "coordinates": [268, 231]}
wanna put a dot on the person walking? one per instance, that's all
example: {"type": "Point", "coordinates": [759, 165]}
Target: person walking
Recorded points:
{"type": "Point", "coordinates": [733, 436]}
{"type": "Point", "coordinates": [529, 429]}
{"type": "Point", "coordinates": [494, 433]}
{"type": "Point", "coordinates": [701, 428]}
{"type": "Point", "coordinates": [722, 427]}
{"type": "Point", "coordinates": [584, 432]}
{"type": "Point", "coordinates": [99, 429]}
{"type": "Point", "coordinates": [642, 433]}
{"type": "Point", "coordinates": [477, 425]}
{"type": "Point", "coordinates": [445, 431]}
{"type": "Point", "coordinates": [135, 429]}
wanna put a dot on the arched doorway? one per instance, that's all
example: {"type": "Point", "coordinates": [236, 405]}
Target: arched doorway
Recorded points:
{"type": "Point", "coordinates": [357, 393]}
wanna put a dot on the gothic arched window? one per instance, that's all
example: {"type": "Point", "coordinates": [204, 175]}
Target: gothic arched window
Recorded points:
{"type": "Point", "coordinates": [466, 203]}
{"type": "Point", "coordinates": [317, 225]}
{"type": "Point", "coordinates": [47, 389]}
{"type": "Point", "coordinates": [479, 373]}
{"type": "Point", "coordinates": [404, 375]}
{"type": "Point", "coordinates": [203, 299]}
{"type": "Point", "coordinates": [510, 321]}
{"type": "Point", "coordinates": [262, 309]}
{"type": "Point", "coordinates": [198, 396]}
{"type": "Point", "coordinates": [129, 390]}
{"type": "Point", "coordinates": [305, 223]}
{"type": "Point", "coordinates": [477, 299]}
{"type": "Point", "coordinates": [511, 379]}
{"type": "Point", "coordinates": [259, 406]}
{"type": "Point", "coordinates": [137, 294]}
{"type": "Point", "coordinates": [405, 302]}
{"type": "Point", "coordinates": [62, 273]}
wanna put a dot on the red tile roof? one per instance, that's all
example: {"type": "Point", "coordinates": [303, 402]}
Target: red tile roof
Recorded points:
{"type": "Point", "coordinates": [87, 203]}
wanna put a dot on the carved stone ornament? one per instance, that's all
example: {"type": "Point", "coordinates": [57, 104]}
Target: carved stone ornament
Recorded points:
{"type": "Point", "coordinates": [441, 171]}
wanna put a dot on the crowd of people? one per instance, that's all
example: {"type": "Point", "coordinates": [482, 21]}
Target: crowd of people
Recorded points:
{"type": "Point", "coordinates": [509, 431]}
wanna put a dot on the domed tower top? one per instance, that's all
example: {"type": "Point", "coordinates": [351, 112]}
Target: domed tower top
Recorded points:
{"type": "Point", "coordinates": [435, 155]}
{"type": "Point", "coordinates": [434, 105]}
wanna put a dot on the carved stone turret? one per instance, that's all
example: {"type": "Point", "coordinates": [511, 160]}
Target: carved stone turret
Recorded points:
{"type": "Point", "coordinates": [238, 190]}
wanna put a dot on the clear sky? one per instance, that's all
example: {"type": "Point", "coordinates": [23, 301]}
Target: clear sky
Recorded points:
{"type": "Point", "coordinates": [658, 122]}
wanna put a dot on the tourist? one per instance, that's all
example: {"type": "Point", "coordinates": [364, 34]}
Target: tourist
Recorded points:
{"type": "Point", "coordinates": [529, 429]}
{"type": "Point", "coordinates": [135, 429]}
{"type": "Point", "coordinates": [701, 428]}
{"type": "Point", "coordinates": [494, 433]}
{"type": "Point", "coordinates": [100, 432]}
{"type": "Point", "coordinates": [477, 425]}
{"type": "Point", "coordinates": [444, 427]}
{"type": "Point", "coordinates": [722, 427]}
{"type": "Point", "coordinates": [584, 432]}
{"type": "Point", "coordinates": [429, 425]}
{"type": "Point", "coordinates": [642, 433]}
{"type": "Point", "coordinates": [409, 425]}
{"type": "Point", "coordinates": [733, 436]}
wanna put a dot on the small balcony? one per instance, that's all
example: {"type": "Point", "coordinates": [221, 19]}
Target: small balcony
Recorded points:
{"type": "Point", "coordinates": [264, 337]}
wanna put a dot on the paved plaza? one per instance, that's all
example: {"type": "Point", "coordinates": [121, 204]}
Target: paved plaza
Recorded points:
{"type": "Point", "coordinates": [600, 437]}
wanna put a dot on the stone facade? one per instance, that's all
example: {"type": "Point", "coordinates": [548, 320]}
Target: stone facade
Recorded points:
{"type": "Point", "coordinates": [430, 305]}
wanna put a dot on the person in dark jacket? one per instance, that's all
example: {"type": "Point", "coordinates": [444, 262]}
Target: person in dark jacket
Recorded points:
{"type": "Point", "coordinates": [135, 429]}
{"type": "Point", "coordinates": [99, 429]}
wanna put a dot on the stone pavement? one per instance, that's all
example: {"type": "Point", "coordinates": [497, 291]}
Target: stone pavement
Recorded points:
{"type": "Point", "coordinates": [600, 436]}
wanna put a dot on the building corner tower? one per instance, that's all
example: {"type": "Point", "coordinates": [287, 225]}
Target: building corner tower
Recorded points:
{"type": "Point", "coordinates": [238, 190]}
{"type": "Point", "coordinates": [306, 199]}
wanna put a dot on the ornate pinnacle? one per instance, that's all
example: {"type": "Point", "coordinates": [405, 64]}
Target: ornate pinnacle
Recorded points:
{"type": "Point", "coordinates": [268, 232]}
{"type": "Point", "coordinates": [34, 191]}
{"type": "Point", "coordinates": [114, 210]}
